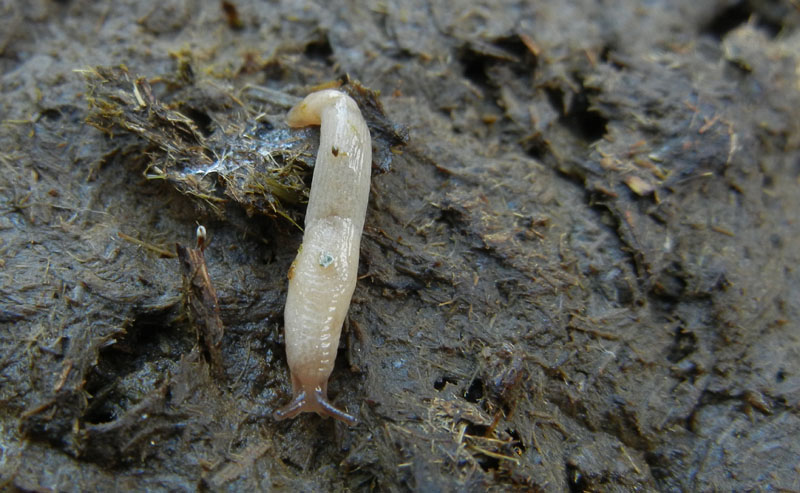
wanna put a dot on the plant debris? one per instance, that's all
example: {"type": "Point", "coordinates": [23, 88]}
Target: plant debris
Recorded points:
{"type": "Point", "coordinates": [200, 299]}
{"type": "Point", "coordinates": [213, 158]}
{"type": "Point", "coordinates": [579, 275]}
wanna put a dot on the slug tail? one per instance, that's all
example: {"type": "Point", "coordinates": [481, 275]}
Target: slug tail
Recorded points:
{"type": "Point", "coordinates": [309, 110]}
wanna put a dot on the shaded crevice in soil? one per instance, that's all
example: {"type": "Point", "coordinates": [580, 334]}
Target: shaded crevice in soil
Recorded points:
{"type": "Point", "coordinates": [740, 12]}
{"type": "Point", "coordinates": [576, 274]}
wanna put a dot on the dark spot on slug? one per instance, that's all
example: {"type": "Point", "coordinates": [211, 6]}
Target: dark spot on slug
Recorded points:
{"type": "Point", "coordinates": [335, 151]}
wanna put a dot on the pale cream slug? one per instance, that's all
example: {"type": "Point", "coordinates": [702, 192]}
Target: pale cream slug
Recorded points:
{"type": "Point", "coordinates": [323, 276]}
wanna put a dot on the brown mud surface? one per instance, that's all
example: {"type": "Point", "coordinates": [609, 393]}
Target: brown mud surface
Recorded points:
{"type": "Point", "coordinates": [578, 272]}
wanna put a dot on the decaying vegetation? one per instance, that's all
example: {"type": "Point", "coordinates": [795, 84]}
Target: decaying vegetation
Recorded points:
{"type": "Point", "coordinates": [578, 269]}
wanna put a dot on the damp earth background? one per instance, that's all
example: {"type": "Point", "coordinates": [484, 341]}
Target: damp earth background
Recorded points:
{"type": "Point", "coordinates": [578, 273]}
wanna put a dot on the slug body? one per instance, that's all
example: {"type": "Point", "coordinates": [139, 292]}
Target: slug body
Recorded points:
{"type": "Point", "coordinates": [323, 276]}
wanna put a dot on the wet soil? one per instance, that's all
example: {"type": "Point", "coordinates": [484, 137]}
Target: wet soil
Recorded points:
{"type": "Point", "coordinates": [578, 271]}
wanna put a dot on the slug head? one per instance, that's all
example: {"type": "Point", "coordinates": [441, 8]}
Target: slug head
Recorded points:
{"type": "Point", "coordinates": [312, 399]}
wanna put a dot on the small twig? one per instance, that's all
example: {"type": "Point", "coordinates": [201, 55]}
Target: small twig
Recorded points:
{"type": "Point", "coordinates": [494, 454]}
{"type": "Point", "coordinates": [200, 299]}
{"type": "Point", "coordinates": [163, 252]}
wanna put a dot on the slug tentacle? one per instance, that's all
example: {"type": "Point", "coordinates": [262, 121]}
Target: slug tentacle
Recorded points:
{"type": "Point", "coordinates": [323, 276]}
{"type": "Point", "coordinates": [313, 401]}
